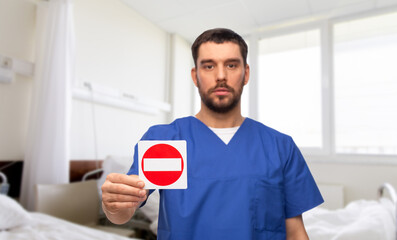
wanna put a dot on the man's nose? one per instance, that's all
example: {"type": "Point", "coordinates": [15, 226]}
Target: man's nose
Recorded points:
{"type": "Point", "coordinates": [221, 74]}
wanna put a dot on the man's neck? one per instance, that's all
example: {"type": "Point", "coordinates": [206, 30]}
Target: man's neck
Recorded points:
{"type": "Point", "coordinates": [213, 119]}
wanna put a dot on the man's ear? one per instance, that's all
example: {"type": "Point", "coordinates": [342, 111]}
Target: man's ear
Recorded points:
{"type": "Point", "coordinates": [247, 74]}
{"type": "Point", "coordinates": [194, 76]}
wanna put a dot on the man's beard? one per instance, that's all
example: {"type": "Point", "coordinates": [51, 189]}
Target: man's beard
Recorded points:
{"type": "Point", "coordinates": [221, 107]}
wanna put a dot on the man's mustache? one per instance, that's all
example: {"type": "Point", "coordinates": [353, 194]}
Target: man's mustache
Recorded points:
{"type": "Point", "coordinates": [221, 85]}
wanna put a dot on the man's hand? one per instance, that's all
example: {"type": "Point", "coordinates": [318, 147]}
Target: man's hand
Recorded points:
{"type": "Point", "coordinates": [121, 196]}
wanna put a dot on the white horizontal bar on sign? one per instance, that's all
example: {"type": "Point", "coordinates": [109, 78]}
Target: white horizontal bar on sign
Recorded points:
{"type": "Point", "coordinates": [162, 164]}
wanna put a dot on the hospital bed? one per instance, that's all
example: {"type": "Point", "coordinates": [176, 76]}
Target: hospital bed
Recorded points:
{"type": "Point", "coordinates": [145, 219]}
{"type": "Point", "coordinates": [63, 211]}
{"type": "Point", "coordinates": [4, 186]}
{"type": "Point", "coordinates": [18, 224]}
{"type": "Point", "coordinates": [361, 219]}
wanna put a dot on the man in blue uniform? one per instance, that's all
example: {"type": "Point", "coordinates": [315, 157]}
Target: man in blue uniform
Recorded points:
{"type": "Point", "coordinates": [245, 180]}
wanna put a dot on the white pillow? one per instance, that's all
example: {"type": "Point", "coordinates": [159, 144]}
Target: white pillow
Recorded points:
{"type": "Point", "coordinates": [12, 214]}
{"type": "Point", "coordinates": [114, 164]}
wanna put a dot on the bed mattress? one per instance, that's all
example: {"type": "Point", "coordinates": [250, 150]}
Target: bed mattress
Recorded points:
{"type": "Point", "coordinates": [46, 227]}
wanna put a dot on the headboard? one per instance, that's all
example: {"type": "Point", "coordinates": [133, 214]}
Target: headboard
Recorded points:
{"type": "Point", "coordinates": [80, 167]}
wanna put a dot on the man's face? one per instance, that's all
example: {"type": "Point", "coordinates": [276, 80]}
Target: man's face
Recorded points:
{"type": "Point", "coordinates": [220, 75]}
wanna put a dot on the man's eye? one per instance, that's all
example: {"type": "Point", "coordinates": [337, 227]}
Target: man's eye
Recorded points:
{"type": "Point", "coordinates": [209, 67]}
{"type": "Point", "coordinates": [231, 65]}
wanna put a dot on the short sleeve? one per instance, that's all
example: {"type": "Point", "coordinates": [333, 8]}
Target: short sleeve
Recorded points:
{"type": "Point", "coordinates": [157, 132]}
{"type": "Point", "coordinates": [301, 191]}
{"type": "Point", "coordinates": [134, 169]}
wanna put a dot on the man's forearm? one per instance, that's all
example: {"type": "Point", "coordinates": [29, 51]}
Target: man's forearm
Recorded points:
{"type": "Point", "coordinates": [295, 228]}
{"type": "Point", "coordinates": [121, 216]}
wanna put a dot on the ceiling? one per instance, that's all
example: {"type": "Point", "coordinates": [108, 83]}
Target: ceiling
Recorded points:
{"type": "Point", "coordinates": [189, 18]}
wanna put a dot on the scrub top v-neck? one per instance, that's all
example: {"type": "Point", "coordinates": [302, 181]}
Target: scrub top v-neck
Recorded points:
{"type": "Point", "coordinates": [214, 136]}
{"type": "Point", "coordinates": [225, 134]}
{"type": "Point", "coordinates": [241, 190]}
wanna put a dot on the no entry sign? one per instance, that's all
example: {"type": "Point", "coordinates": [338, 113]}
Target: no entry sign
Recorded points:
{"type": "Point", "coordinates": [162, 164]}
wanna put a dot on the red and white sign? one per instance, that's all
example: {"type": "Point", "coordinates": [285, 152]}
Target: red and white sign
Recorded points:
{"type": "Point", "coordinates": [162, 164]}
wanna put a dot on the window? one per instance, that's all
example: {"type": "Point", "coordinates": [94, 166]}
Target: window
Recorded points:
{"type": "Point", "coordinates": [365, 85]}
{"type": "Point", "coordinates": [341, 105]}
{"type": "Point", "coordinates": [289, 84]}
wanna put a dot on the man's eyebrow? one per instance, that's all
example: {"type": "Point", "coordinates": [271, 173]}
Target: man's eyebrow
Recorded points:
{"type": "Point", "coordinates": [234, 60]}
{"type": "Point", "coordinates": [204, 61]}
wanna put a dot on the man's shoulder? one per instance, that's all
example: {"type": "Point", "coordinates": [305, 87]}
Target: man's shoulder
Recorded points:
{"type": "Point", "coordinates": [166, 131]}
{"type": "Point", "coordinates": [264, 129]}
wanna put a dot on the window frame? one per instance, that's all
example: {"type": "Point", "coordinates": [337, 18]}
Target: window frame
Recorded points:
{"type": "Point", "coordinates": [328, 152]}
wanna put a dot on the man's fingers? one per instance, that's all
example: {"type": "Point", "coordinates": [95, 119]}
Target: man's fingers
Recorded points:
{"type": "Point", "coordinates": [108, 198]}
{"type": "Point", "coordinates": [118, 188]}
{"type": "Point", "coordinates": [131, 180]}
{"type": "Point", "coordinates": [116, 206]}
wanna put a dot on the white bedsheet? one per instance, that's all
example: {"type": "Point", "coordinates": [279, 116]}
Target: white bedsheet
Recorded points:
{"type": "Point", "coordinates": [361, 220]}
{"type": "Point", "coordinates": [45, 227]}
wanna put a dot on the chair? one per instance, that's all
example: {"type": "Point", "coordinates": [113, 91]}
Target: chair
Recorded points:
{"type": "Point", "coordinates": [77, 202]}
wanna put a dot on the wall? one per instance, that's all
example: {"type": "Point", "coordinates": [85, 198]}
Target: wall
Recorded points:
{"type": "Point", "coordinates": [182, 88]}
{"type": "Point", "coordinates": [17, 22]}
{"type": "Point", "coordinates": [116, 48]}
{"type": "Point", "coordinates": [360, 181]}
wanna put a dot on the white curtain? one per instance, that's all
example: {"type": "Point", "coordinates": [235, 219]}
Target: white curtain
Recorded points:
{"type": "Point", "coordinates": [47, 147]}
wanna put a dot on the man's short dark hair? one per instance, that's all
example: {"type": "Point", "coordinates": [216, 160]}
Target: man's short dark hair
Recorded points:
{"type": "Point", "coordinates": [219, 35]}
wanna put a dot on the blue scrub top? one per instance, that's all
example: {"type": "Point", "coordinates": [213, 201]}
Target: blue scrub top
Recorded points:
{"type": "Point", "coordinates": [243, 190]}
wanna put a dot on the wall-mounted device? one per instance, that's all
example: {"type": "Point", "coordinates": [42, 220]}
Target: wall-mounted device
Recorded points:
{"type": "Point", "coordinates": [105, 95]}
{"type": "Point", "coordinates": [10, 66]}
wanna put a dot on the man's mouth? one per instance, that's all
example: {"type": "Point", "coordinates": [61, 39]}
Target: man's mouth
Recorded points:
{"type": "Point", "coordinates": [221, 91]}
